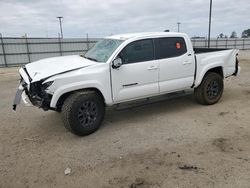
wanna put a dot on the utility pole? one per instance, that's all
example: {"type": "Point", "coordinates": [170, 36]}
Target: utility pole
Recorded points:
{"type": "Point", "coordinates": [178, 23]}
{"type": "Point", "coordinates": [60, 22]}
{"type": "Point", "coordinates": [209, 24]}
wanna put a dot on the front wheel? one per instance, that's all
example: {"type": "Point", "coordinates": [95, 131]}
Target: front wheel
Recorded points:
{"type": "Point", "coordinates": [210, 90]}
{"type": "Point", "coordinates": [83, 112]}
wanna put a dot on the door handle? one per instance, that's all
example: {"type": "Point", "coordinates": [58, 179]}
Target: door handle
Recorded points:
{"type": "Point", "coordinates": [186, 62]}
{"type": "Point", "coordinates": [152, 67]}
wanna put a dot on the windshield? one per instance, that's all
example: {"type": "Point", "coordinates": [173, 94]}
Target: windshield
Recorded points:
{"type": "Point", "coordinates": [103, 49]}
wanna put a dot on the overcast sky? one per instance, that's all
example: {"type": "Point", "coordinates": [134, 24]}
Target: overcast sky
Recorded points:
{"type": "Point", "coordinates": [99, 18]}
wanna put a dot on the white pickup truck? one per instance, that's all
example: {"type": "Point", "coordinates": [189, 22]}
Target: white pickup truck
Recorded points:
{"type": "Point", "coordinates": [124, 68]}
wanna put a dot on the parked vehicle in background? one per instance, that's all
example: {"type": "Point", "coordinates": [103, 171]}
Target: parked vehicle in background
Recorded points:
{"type": "Point", "coordinates": [124, 68]}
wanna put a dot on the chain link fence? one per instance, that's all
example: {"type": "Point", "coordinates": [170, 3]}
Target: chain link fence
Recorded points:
{"type": "Point", "coordinates": [19, 51]}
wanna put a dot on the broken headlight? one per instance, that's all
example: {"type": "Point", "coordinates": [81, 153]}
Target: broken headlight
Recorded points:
{"type": "Point", "coordinates": [47, 84]}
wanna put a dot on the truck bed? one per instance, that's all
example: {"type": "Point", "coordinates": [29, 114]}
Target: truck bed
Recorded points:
{"type": "Point", "coordinates": [207, 58]}
{"type": "Point", "coordinates": [206, 50]}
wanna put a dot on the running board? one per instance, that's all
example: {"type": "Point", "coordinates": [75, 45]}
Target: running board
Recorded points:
{"type": "Point", "coordinates": [150, 100]}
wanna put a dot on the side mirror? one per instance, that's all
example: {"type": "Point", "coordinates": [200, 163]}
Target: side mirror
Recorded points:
{"type": "Point", "coordinates": [117, 63]}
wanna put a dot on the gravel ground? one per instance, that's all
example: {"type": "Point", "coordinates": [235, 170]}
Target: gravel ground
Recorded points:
{"type": "Point", "coordinates": [172, 143]}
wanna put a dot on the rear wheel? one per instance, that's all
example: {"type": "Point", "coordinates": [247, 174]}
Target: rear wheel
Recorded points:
{"type": "Point", "coordinates": [210, 90]}
{"type": "Point", "coordinates": [83, 112]}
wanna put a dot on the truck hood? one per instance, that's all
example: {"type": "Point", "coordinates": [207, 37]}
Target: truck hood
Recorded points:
{"type": "Point", "coordinates": [51, 66]}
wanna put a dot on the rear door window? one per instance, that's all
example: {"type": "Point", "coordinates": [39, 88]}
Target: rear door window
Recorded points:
{"type": "Point", "coordinates": [169, 47]}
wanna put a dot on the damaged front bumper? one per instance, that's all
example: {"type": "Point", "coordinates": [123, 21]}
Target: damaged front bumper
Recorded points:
{"type": "Point", "coordinates": [33, 93]}
{"type": "Point", "coordinates": [19, 92]}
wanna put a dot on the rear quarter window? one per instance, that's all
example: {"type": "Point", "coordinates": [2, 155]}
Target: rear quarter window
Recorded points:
{"type": "Point", "coordinates": [169, 47]}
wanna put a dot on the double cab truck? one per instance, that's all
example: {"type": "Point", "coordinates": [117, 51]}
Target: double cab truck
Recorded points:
{"type": "Point", "coordinates": [124, 68]}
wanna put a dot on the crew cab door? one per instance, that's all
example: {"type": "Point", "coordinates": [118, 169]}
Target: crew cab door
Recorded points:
{"type": "Point", "coordinates": [176, 62]}
{"type": "Point", "coordinates": [137, 77]}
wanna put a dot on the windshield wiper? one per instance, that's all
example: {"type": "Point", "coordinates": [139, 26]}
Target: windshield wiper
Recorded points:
{"type": "Point", "coordinates": [92, 59]}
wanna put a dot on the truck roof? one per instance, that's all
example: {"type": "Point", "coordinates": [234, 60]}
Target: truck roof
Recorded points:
{"type": "Point", "coordinates": [144, 34]}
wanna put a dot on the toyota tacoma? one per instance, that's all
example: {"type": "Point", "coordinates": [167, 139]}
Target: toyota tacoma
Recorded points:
{"type": "Point", "coordinates": [123, 68]}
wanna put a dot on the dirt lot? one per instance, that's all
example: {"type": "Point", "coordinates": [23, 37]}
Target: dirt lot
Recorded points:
{"type": "Point", "coordinates": [173, 143]}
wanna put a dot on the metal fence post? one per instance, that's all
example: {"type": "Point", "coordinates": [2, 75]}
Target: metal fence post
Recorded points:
{"type": "Point", "coordinates": [87, 41]}
{"type": "Point", "coordinates": [216, 43]}
{"type": "Point", "coordinates": [27, 48]}
{"type": "Point", "coordinates": [226, 42]}
{"type": "Point", "coordinates": [4, 54]}
{"type": "Point", "coordinates": [243, 43]}
{"type": "Point", "coordinates": [60, 44]}
{"type": "Point", "coordinates": [235, 43]}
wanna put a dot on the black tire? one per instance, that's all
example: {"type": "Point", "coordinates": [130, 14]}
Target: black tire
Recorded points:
{"type": "Point", "coordinates": [210, 90]}
{"type": "Point", "coordinates": [83, 112]}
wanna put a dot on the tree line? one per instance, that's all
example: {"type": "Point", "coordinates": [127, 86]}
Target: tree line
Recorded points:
{"type": "Point", "coordinates": [244, 34]}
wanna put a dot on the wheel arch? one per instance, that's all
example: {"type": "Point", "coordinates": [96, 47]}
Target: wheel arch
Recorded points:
{"type": "Point", "coordinates": [64, 96]}
{"type": "Point", "coordinates": [216, 69]}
